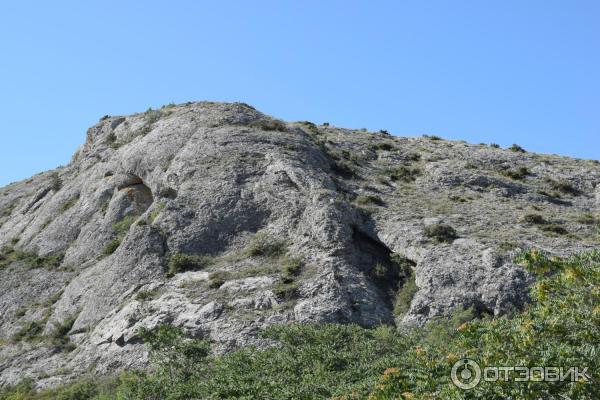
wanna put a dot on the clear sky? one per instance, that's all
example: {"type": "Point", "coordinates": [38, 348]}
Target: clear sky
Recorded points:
{"type": "Point", "coordinates": [503, 71]}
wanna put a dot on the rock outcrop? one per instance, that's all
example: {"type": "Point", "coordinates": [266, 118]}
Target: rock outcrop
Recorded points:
{"type": "Point", "coordinates": [221, 220]}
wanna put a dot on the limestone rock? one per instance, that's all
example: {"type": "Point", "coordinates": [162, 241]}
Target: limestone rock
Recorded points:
{"type": "Point", "coordinates": [223, 221]}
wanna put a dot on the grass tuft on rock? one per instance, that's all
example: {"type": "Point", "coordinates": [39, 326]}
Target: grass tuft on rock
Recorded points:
{"type": "Point", "coordinates": [265, 245]}
{"type": "Point", "coordinates": [181, 262]}
{"type": "Point", "coordinates": [535, 219]}
{"type": "Point", "coordinates": [9, 255]}
{"type": "Point", "coordinates": [402, 174]}
{"type": "Point", "coordinates": [440, 233]}
{"type": "Point", "coordinates": [517, 149]}
{"type": "Point", "coordinates": [369, 199]}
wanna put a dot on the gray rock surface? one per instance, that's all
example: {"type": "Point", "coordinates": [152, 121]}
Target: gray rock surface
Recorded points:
{"type": "Point", "coordinates": [284, 222]}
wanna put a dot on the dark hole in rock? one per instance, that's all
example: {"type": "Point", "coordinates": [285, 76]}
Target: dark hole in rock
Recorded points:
{"type": "Point", "coordinates": [168, 193]}
{"type": "Point", "coordinates": [378, 263]}
{"type": "Point", "coordinates": [480, 310]}
{"type": "Point", "coordinates": [120, 341]}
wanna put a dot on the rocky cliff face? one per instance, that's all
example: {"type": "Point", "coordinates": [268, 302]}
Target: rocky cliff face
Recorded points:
{"type": "Point", "coordinates": [221, 220]}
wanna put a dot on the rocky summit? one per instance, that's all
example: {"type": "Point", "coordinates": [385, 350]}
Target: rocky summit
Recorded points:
{"type": "Point", "coordinates": [221, 220]}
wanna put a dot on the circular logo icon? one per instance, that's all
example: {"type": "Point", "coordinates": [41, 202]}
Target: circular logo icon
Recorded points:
{"type": "Point", "coordinates": [466, 374]}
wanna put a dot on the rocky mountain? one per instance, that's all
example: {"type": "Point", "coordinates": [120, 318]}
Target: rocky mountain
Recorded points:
{"type": "Point", "coordinates": [221, 220]}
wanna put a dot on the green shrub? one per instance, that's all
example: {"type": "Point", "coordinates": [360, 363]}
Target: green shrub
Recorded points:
{"type": "Point", "coordinates": [21, 391]}
{"type": "Point", "coordinates": [151, 116]}
{"type": "Point", "coordinates": [69, 204]}
{"type": "Point", "coordinates": [495, 145]}
{"type": "Point", "coordinates": [364, 200]}
{"type": "Point", "coordinates": [59, 336]}
{"type": "Point", "coordinates": [554, 228]}
{"type": "Point", "coordinates": [440, 233]}
{"type": "Point", "coordinates": [270, 124]}
{"type": "Point", "coordinates": [156, 211]}
{"type": "Point", "coordinates": [402, 173]}
{"type": "Point", "coordinates": [292, 267]}
{"type": "Point", "coordinates": [218, 278]}
{"type": "Point", "coordinates": [382, 146]}
{"type": "Point", "coordinates": [9, 255]}
{"type": "Point", "coordinates": [412, 156]}
{"type": "Point", "coordinates": [265, 245]}
{"type": "Point", "coordinates": [54, 298]}
{"type": "Point", "coordinates": [28, 331]}
{"type": "Point", "coordinates": [122, 226]}
{"type": "Point", "coordinates": [457, 198]}
{"type": "Point", "coordinates": [544, 225]}
{"type": "Point", "coordinates": [7, 211]}
{"type": "Point", "coordinates": [312, 127]}
{"type": "Point", "coordinates": [405, 294]}
{"type": "Point", "coordinates": [535, 219]}
{"type": "Point", "coordinates": [62, 329]}
{"type": "Point", "coordinates": [55, 182]}
{"type": "Point", "coordinates": [21, 311]}
{"type": "Point", "coordinates": [181, 262]}
{"type": "Point", "coordinates": [49, 262]}
{"type": "Point", "coordinates": [343, 169]}
{"type": "Point", "coordinates": [379, 271]}
{"type": "Point", "coordinates": [564, 187]}
{"type": "Point", "coordinates": [5, 256]}
{"type": "Point", "coordinates": [144, 130]}
{"type": "Point", "coordinates": [111, 141]}
{"type": "Point", "coordinates": [88, 388]}
{"type": "Point", "coordinates": [508, 245]}
{"type": "Point", "coordinates": [432, 137]}
{"type": "Point", "coordinates": [516, 173]}
{"type": "Point", "coordinates": [144, 295]}
{"type": "Point", "coordinates": [587, 219]}
{"type": "Point", "coordinates": [111, 247]}
{"type": "Point", "coordinates": [516, 148]}
{"type": "Point", "coordinates": [440, 330]}
{"type": "Point", "coordinates": [142, 222]}
{"type": "Point", "coordinates": [286, 291]}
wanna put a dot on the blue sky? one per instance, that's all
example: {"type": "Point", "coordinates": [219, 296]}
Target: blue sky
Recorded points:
{"type": "Point", "coordinates": [524, 72]}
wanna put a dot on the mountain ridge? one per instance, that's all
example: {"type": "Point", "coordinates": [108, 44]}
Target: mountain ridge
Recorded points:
{"type": "Point", "coordinates": [221, 220]}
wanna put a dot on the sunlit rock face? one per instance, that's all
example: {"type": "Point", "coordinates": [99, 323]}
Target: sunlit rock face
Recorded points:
{"type": "Point", "coordinates": [221, 220]}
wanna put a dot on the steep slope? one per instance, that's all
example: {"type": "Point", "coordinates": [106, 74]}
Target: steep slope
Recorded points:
{"type": "Point", "coordinates": [221, 220]}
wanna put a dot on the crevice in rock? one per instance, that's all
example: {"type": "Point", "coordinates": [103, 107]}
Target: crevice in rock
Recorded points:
{"type": "Point", "coordinates": [480, 310]}
{"type": "Point", "coordinates": [116, 122]}
{"type": "Point", "coordinates": [167, 193]}
{"type": "Point", "coordinates": [375, 260]}
{"type": "Point", "coordinates": [38, 197]}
